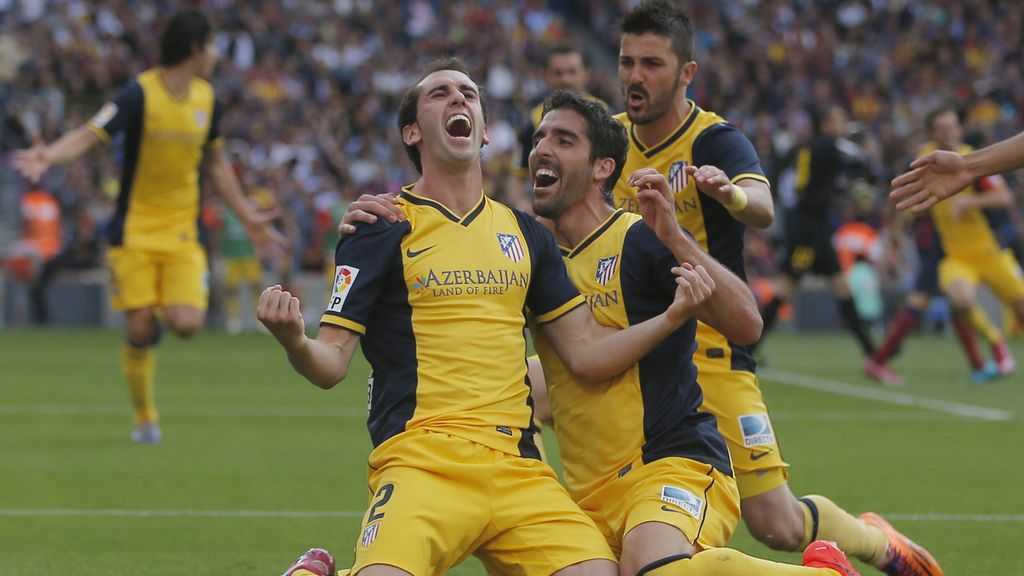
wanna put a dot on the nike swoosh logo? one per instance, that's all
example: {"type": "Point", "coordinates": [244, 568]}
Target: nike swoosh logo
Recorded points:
{"type": "Point", "coordinates": [667, 509]}
{"type": "Point", "coordinates": [759, 455]}
{"type": "Point", "coordinates": [410, 253]}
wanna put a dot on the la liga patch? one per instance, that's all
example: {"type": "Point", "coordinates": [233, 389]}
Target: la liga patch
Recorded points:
{"type": "Point", "coordinates": [344, 278]}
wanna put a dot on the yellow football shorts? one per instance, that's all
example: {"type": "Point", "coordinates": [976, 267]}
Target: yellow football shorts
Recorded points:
{"type": "Point", "coordinates": [702, 502]}
{"type": "Point", "coordinates": [435, 499]}
{"type": "Point", "coordinates": [1000, 272]}
{"type": "Point", "coordinates": [242, 270]}
{"type": "Point", "coordinates": [143, 278]}
{"type": "Point", "coordinates": [734, 397]}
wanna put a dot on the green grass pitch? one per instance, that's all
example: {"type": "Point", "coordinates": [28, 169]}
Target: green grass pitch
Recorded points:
{"type": "Point", "coordinates": [257, 465]}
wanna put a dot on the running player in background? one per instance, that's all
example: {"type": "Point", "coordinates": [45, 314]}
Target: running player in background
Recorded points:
{"type": "Point", "coordinates": [169, 118]}
{"type": "Point", "coordinates": [972, 254]}
{"type": "Point", "coordinates": [719, 188]}
{"type": "Point", "coordinates": [808, 233]}
{"type": "Point", "coordinates": [243, 269]}
{"type": "Point", "coordinates": [437, 302]}
{"type": "Point", "coordinates": [565, 68]}
{"type": "Point", "coordinates": [925, 288]}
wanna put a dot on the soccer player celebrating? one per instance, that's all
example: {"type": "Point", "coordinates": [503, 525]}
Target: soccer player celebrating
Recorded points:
{"type": "Point", "coordinates": [438, 301]}
{"type": "Point", "coordinates": [972, 252]}
{"type": "Point", "coordinates": [718, 185]}
{"type": "Point", "coordinates": [169, 119]}
{"type": "Point", "coordinates": [640, 458]}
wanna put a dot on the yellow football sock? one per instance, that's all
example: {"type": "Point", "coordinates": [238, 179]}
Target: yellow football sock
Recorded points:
{"type": "Point", "coordinates": [831, 522]}
{"type": "Point", "coordinates": [139, 367]}
{"type": "Point", "coordinates": [982, 325]}
{"type": "Point", "coordinates": [303, 572]}
{"type": "Point", "coordinates": [729, 562]}
{"type": "Point", "coordinates": [1013, 326]}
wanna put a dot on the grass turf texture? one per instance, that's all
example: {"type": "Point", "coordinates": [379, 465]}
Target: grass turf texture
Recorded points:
{"type": "Point", "coordinates": [257, 465]}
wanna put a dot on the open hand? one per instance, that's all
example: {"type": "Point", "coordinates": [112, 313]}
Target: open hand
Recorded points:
{"type": "Point", "coordinates": [932, 177]}
{"type": "Point", "coordinates": [368, 208]}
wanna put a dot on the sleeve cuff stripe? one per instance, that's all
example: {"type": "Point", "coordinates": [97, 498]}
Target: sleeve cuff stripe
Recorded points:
{"type": "Point", "coordinates": [751, 176]}
{"type": "Point", "coordinates": [332, 320]}
{"type": "Point", "coordinates": [561, 310]}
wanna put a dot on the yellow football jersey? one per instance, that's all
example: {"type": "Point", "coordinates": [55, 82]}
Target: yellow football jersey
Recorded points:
{"type": "Point", "coordinates": [704, 138]}
{"type": "Point", "coordinates": [970, 235]}
{"type": "Point", "coordinates": [649, 411]}
{"type": "Point", "coordinates": [441, 303]}
{"type": "Point", "coordinates": [164, 140]}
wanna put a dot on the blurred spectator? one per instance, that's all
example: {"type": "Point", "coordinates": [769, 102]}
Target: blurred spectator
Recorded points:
{"type": "Point", "coordinates": [311, 88]}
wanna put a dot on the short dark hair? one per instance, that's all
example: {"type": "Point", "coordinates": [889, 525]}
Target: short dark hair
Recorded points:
{"type": "Point", "coordinates": [559, 50]}
{"type": "Point", "coordinates": [664, 19]}
{"type": "Point", "coordinates": [607, 135]}
{"type": "Point", "coordinates": [929, 120]}
{"type": "Point", "coordinates": [407, 108]}
{"type": "Point", "coordinates": [185, 30]}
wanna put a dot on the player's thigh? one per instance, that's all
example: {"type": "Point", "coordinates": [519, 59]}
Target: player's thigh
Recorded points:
{"type": "Point", "coordinates": [233, 273]}
{"type": "Point", "coordinates": [427, 504]}
{"type": "Point", "coordinates": [134, 275]}
{"type": "Point", "coordinates": [1003, 275]}
{"type": "Point", "coordinates": [958, 279]}
{"type": "Point", "coordinates": [537, 528]}
{"type": "Point", "coordinates": [184, 278]}
{"type": "Point", "coordinates": [700, 502]}
{"type": "Point", "coordinates": [734, 397]}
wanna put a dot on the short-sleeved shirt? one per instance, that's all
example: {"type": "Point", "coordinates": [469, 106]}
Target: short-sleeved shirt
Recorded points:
{"type": "Point", "coordinates": [703, 138]}
{"type": "Point", "coordinates": [164, 139]}
{"type": "Point", "coordinates": [441, 302]}
{"type": "Point", "coordinates": [650, 411]}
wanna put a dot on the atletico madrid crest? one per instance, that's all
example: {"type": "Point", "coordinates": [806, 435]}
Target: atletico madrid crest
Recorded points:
{"type": "Point", "coordinates": [510, 246]}
{"type": "Point", "coordinates": [605, 269]}
{"type": "Point", "coordinates": [677, 176]}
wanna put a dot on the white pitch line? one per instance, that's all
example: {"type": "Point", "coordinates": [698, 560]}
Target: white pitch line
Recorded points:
{"type": "Point", "coordinates": [956, 517]}
{"type": "Point", "coordinates": [197, 410]}
{"type": "Point", "coordinates": [84, 513]}
{"type": "Point", "coordinates": [956, 408]}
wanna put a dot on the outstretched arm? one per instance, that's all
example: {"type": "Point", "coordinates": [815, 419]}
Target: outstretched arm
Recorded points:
{"type": "Point", "coordinates": [731, 309]}
{"type": "Point", "coordinates": [260, 227]}
{"type": "Point", "coordinates": [595, 353]}
{"type": "Point", "coordinates": [323, 361]}
{"type": "Point", "coordinates": [941, 174]}
{"type": "Point", "coordinates": [33, 162]}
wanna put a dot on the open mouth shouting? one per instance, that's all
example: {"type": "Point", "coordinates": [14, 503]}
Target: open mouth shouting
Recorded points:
{"type": "Point", "coordinates": [637, 96]}
{"type": "Point", "coordinates": [546, 176]}
{"type": "Point", "coordinates": [459, 126]}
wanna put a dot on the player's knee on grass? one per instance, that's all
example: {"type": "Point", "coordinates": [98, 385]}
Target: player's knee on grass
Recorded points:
{"type": "Point", "coordinates": [650, 542]}
{"type": "Point", "coordinates": [775, 518]}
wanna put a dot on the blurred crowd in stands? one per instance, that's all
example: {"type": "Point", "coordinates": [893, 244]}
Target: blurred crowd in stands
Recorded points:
{"type": "Point", "coordinates": [311, 88]}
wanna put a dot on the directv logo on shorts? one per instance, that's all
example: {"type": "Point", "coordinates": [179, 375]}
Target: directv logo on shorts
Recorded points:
{"type": "Point", "coordinates": [757, 430]}
{"type": "Point", "coordinates": [682, 499]}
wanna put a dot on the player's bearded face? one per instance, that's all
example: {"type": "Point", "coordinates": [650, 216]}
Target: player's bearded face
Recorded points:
{"type": "Point", "coordinates": [560, 165]}
{"type": "Point", "coordinates": [449, 117]}
{"type": "Point", "coordinates": [649, 74]}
